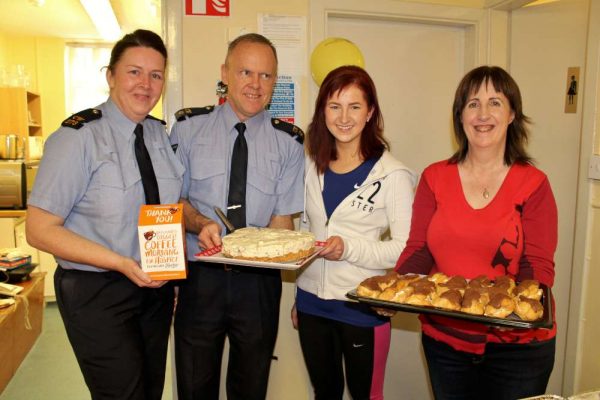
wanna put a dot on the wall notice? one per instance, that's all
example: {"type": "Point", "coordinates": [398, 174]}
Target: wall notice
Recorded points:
{"type": "Point", "coordinates": [284, 100]}
{"type": "Point", "coordinates": [288, 35]}
{"type": "Point", "coordinates": [572, 90]}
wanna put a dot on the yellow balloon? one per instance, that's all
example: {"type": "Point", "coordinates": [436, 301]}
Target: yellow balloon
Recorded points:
{"type": "Point", "coordinates": [332, 53]}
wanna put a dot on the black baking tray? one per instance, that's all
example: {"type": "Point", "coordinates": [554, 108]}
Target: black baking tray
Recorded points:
{"type": "Point", "coordinates": [512, 321]}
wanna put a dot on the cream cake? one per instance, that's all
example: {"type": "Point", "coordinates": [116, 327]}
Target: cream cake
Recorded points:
{"type": "Point", "coordinates": [268, 244]}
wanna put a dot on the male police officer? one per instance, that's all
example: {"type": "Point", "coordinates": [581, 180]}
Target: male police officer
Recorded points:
{"type": "Point", "coordinates": [218, 145]}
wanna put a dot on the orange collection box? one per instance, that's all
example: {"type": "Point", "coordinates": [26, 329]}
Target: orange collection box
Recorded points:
{"type": "Point", "coordinates": [161, 235]}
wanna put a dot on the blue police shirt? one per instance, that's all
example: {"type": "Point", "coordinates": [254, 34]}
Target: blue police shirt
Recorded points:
{"type": "Point", "coordinates": [89, 177]}
{"type": "Point", "coordinates": [275, 167]}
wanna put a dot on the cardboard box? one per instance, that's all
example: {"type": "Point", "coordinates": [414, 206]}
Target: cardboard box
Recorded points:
{"type": "Point", "coordinates": [161, 235]}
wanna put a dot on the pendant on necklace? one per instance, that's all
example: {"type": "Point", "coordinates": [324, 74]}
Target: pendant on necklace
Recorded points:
{"type": "Point", "coordinates": [486, 194]}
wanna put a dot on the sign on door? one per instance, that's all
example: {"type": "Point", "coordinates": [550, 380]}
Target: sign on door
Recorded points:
{"type": "Point", "coordinates": [207, 7]}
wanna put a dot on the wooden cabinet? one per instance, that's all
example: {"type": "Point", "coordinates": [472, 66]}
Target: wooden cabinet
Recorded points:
{"type": "Point", "coordinates": [20, 113]}
{"type": "Point", "coordinates": [20, 326]}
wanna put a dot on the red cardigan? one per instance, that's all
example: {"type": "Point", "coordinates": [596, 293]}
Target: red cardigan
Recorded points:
{"type": "Point", "coordinates": [515, 234]}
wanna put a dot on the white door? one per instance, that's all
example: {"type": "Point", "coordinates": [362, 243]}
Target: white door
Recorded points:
{"type": "Point", "coordinates": [545, 41]}
{"type": "Point", "coordinates": [415, 67]}
{"type": "Point", "coordinates": [415, 94]}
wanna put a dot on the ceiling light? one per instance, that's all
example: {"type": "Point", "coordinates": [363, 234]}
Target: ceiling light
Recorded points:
{"type": "Point", "coordinates": [103, 17]}
{"type": "Point", "coordinates": [539, 2]}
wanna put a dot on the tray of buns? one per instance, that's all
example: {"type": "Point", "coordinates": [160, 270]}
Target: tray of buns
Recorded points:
{"type": "Point", "coordinates": [500, 303]}
{"type": "Point", "coordinates": [215, 255]}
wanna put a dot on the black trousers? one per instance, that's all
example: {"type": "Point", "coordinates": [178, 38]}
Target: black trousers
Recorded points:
{"type": "Point", "coordinates": [332, 349]}
{"type": "Point", "coordinates": [214, 302]}
{"type": "Point", "coordinates": [119, 332]}
{"type": "Point", "coordinates": [506, 371]}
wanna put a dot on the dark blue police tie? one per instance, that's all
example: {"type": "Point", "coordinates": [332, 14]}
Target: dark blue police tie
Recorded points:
{"type": "Point", "coordinates": [236, 202]}
{"type": "Point", "coordinates": [145, 165]}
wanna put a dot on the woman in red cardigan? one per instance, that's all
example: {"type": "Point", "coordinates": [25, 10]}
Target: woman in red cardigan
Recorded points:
{"type": "Point", "coordinates": [486, 210]}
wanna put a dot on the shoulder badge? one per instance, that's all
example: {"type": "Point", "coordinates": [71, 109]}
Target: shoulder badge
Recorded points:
{"type": "Point", "coordinates": [185, 113]}
{"type": "Point", "coordinates": [291, 129]}
{"type": "Point", "coordinates": [156, 119]}
{"type": "Point", "coordinates": [76, 121]}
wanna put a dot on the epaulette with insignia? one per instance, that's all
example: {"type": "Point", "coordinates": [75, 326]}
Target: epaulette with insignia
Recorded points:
{"type": "Point", "coordinates": [156, 119]}
{"type": "Point", "coordinates": [76, 121]}
{"type": "Point", "coordinates": [192, 112]}
{"type": "Point", "coordinates": [290, 129]}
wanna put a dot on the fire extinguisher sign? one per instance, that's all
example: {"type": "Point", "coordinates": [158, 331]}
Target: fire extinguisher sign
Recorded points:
{"type": "Point", "coordinates": [218, 8]}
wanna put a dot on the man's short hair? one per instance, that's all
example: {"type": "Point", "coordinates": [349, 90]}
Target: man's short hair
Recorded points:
{"type": "Point", "coordinates": [250, 38]}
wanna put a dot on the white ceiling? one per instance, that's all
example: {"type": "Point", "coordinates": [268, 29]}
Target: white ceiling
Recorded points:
{"type": "Point", "coordinates": [68, 19]}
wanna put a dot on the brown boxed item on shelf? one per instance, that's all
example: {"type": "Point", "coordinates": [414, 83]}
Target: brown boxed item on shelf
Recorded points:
{"type": "Point", "coordinates": [20, 326]}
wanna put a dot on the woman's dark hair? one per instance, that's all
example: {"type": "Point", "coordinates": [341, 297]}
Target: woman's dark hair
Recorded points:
{"type": "Point", "coordinates": [517, 134]}
{"type": "Point", "coordinates": [139, 38]}
{"type": "Point", "coordinates": [321, 143]}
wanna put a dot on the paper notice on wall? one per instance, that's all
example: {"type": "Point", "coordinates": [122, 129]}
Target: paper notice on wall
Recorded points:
{"type": "Point", "coordinates": [284, 102]}
{"type": "Point", "coordinates": [288, 35]}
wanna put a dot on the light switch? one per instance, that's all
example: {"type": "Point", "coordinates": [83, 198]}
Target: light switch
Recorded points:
{"type": "Point", "coordinates": [594, 169]}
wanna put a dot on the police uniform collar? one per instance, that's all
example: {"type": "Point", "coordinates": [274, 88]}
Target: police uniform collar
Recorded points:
{"type": "Point", "coordinates": [253, 124]}
{"type": "Point", "coordinates": [124, 124]}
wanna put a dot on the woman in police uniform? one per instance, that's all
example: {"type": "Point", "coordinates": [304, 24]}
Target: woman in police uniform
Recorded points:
{"type": "Point", "coordinates": [94, 176]}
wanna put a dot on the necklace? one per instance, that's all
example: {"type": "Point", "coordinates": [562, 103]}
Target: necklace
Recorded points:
{"type": "Point", "coordinates": [492, 176]}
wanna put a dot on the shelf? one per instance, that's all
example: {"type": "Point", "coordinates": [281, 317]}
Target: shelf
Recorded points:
{"type": "Point", "coordinates": [8, 213]}
{"type": "Point", "coordinates": [20, 113]}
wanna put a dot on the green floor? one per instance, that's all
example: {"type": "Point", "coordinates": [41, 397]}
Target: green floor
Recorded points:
{"type": "Point", "coordinates": [50, 371]}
